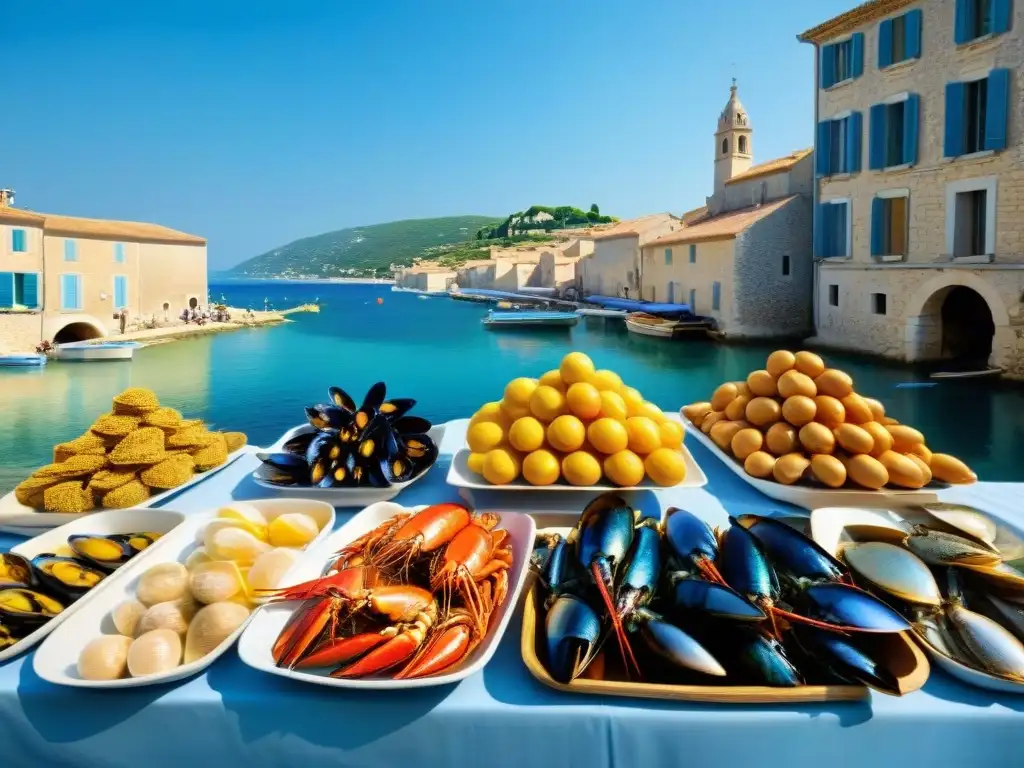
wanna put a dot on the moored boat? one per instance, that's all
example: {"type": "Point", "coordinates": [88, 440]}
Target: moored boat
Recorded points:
{"type": "Point", "coordinates": [599, 312]}
{"type": "Point", "coordinates": [85, 352]}
{"type": "Point", "coordinates": [644, 324]}
{"type": "Point", "coordinates": [975, 374]}
{"type": "Point", "coordinates": [530, 320]}
{"type": "Point", "coordinates": [22, 361]}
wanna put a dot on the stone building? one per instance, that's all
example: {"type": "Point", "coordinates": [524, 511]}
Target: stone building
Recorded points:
{"type": "Point", "coordinates": [745, 257]}
{"type": "Point", "coordinates": [613, 267]}
{"type": "Point", "coordinates": [919, 222]}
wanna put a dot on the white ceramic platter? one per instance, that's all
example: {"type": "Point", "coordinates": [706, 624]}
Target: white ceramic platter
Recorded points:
{"type": "Point", "coordinates": [102, 523]}
{"type": "Point", "coordinates": [57, 660]}
{"type": "Point", "coordinates": [827, 527]}
{"type": "Point", "coordinates": [258, 639]}
{"type": "Point", "coordinates": [342, 497]}
{"type": "Point", "coordinates": [460, 475]}
{"type": "Point", "coordinates": [16, 518]}
{"type": "Point", "coordinates": [812, 497]}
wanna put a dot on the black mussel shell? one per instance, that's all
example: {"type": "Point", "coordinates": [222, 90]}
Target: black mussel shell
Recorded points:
{"type": "Point", "coordinates": [371, 405]}
{"type": "Point", "coordinates": [21, 607]}
{"type": "Point", "coordinates": [67, 578]}
{"type": "Point", "coordinates": [283, 469]}
{"type": "Point", "coordinates": [328, 417]}
{"type": "Point", "coordinates": [411, 425]}
{"type": "Point", "coordinates": [107, 552]}
{"type": "Point", "coordinates": [15, 568]}
{"type": "Point", "coordinates": [299, 443]}
{"type": "Point", "coordinates": [421, 451]}
{"type": "Point", "coordinates": [319, 447]}
{"type": "Point", "coordinates": [8, 636]}
{"type": "Point", "coordinates": [397, 407]}
{"type": "Point", "coordinates": [342, 399]}
{"type": "Point", "coordinates": [378, 441]}
{"type": "Point", "coordinates": [275, 476]}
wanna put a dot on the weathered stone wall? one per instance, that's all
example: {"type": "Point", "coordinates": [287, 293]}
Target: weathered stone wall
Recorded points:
{"type": "Point", "coordinates": [767, 302]}
{"type": "Point", "coordinates": [19, 331]}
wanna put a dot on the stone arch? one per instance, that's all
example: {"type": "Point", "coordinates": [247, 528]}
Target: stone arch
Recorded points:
{"type": "Point", "coordinates": [75, 328]}
{"type": "Point", "coordinates": [743, 145]}
{"type": "Point", "coordinates": [725, 146]}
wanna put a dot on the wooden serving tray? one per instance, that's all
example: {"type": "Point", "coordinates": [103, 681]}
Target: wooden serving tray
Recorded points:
{"type": "Point", "coordinates": [909, 662]}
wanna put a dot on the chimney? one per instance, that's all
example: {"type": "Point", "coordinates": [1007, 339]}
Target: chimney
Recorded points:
{"type": "Point", "coordinates": [6, 198]}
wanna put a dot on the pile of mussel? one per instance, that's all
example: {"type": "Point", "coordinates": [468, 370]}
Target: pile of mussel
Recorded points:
{"type": "Point", "coordinates": [34, 591]}
{"type": "Point", "coordinates": [375, 444]}
{"type": "Point", "coordinates": [758, 603]}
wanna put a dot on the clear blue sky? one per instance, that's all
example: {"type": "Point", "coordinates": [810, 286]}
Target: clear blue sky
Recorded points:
{"type": "Point", "coordinates": [255, 123]}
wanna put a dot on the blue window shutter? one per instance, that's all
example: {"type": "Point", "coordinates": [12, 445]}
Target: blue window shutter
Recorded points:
{"type": "Point", "coordinates": [857, 57]}
{"type": "Point", "coordinates": [119, 253]}
{"type": "Point", "coordinates": [877, 219]}
{"type": "Point", "coordinates": [18, 241]}
{"type": "Point", "coordinates": [70, 250]}
{"type": "Point", "coordinates": [716, 295]}
{"type": "Point", "coordinates": [693, 254]}
{"type": "Point", "coordinates": [885, 44]}
{"type": "Point", "coordinates": [1001, 12]}
{"type": "Point", "coordinates": [876, 144]}
{"type": "Point", "coordinates": [828, 66]}
{"type": "Point", "coordinates": [693, 300]}
{"type": "Point", "coordinates": [962, 22]}
{"type": "Point", "coordinates": [823, 150]}
{"type": "Point", "coordinates": [911, 120]}
{"type": "Point", "coordinates": [31, 283]}
{"type": "Point", "coordinates": [997, 109]}
{"type": "Point", "coordinates": [6, 289]}
{"type": "Point", "coordinates": [953, 145]}
{"type": "Point", "coordinates": [821, 231]}
{"type": "Point", "coordinates": [854, 132]}
{"type": "Point", "coordinates": [912, 28]}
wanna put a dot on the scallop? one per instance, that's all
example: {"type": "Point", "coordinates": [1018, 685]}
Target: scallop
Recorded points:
{"type": "Point", "coordinates": [154, 653]}
{"type": "Point", "coordinates": [270, 568]}
{"type": "Point", "coordinates": [234, 544]}
{"type": "Point", "coordinates": [173, 615]}
{"type": "Point", "coordinates": [104, 658]}
{"type": "Point", "coordinates": [162, 583]}
{"type": "Point", "coordinates": [204, 534]}
{"type": "Point", "coordinates": [211, 627]}
{"type": "Point", "coordinates": [293, 529]}
{"type": "Point", "coordinates": [895, 570]}
{"type": "Point", "coordinates": [199, 555]}
{"type": "Point", "coordinates": [126, 616]}
{"type": "Point", "coordinates": [241, 511]}
{"type": "Point", "coordinates": [216, 581]}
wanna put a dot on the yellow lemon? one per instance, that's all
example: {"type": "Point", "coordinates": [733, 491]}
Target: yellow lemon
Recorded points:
{"type": "Point", "coordinates": [613, 406]}
{"type": "Point", "coordinates": [576, 367]}
{"type": "Point", "coordinates": [644, 435]}
{"type": "Point", "coordinates": [584, 400]}
{"type": "Point", "coordinates": [519, 391]}
{"type": "Point", "coordinates": [608, 435]}
{"type": "Point", "coordinates": [526, 434]}
{"type": "Point", "coordinates": [513, 411]}
{"type": "Point", "coordinates": [671, 434]}
{"type": "Point", "coordinates": [488, 412]}
{"type": "Point", "coordinates": [553, 379]}
{"type": "Point", "coordinates": [581, 468]}
{"type": "Point", "coordinates": [484, 436]}
{"type": "Point", "coordinates": [541, 468]}
{"type": "Point", "coordinates": [475, 462]}
{"type": "Point", "coordinates": [547, 403]}
{"type": "Point", "coordinates": [292, 529]}
{"type": "Point", "coordinates": [624, 468]}
{"type": "Point", "coordinates": [606, 380]}
{"type": "Point", "coordinates": [501, 466]}
{"type": "Point", "coordinates": [651, 411]}
{"type": "Point", "coordinates": [633, 400]}
{"type": "Point", "coordinates": [665, 466]}
{"type": "Point", "coordinates": [566, 433]}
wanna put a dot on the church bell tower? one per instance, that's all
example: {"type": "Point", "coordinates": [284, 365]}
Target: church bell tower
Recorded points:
{"type": "Point", "coordinates": [734, 152]}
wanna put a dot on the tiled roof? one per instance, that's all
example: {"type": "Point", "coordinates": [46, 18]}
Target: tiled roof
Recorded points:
{"type": "Point", "coordinates": [846, 22]}
{"type": "Point", "coordinates": [694, 215]}
{"type": "Point", "coordinates": [103, 228]}
{"type": "Point", "coordinates": [724, 226]}
{"type": "Point", "coordinates": [19, 215]}
{"type": "Point", "coordinates": [633, 227]}
{"type": "Point", "coordinates": [777, 165]}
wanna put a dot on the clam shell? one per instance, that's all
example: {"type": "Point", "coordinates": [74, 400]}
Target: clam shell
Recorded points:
{"type": "Point", "coordinates": [894, 570]}
{"type": "Point", "coordinates": [104, 658]}
{"type": "Point", "coordinates": [211, 626]}
{"type": "Point", "coordinates": [216, 581]}
{"type": "Point", "coordinates": [939, 548]}
{"type": "Point", "coordinates": [270, 568]}
{"type": "Point", "coordinates": [1002, 576]}
{"type": "Point", "coordinates": [994, 646]}
{"type": "Point", "coordinates": [231, 543]}
{"type": "Point", "coordinates": [162, 583]}
{"type": "Point", "coordinates": [965, 519]}
{"type": "Point", "coordinates": [154, 652]}
{"type": "Point", "coordinates": [173, 615]}
{"type": "Point", "coordinates": [126, 616]}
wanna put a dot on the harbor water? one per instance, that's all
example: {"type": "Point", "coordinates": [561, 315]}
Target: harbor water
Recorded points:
{"type": "Point", "coordinates": [257, 380]}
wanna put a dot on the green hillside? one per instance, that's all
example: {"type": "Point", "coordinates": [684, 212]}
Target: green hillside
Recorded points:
{"type": "Point", "coordinates": [360, 251]}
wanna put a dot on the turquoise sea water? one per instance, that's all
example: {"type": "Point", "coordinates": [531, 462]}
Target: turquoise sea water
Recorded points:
{"type": "Point", "coordinates": [258, 380]}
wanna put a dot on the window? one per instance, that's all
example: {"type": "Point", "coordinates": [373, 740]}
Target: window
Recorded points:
{"type": "Point", "coordinates": [6, 290]}
{"type": "Point", "coordinates": [693, 300]}
{"type": "Point", "coordinates": [977, 114]}
{"type": "Point", "coordinates": [26, 289]}
{"type": "Point", "coordinates": [894, 130]}
{"type": "Point", "coordinates": [842, 61]}
{"type": "Point", "coordinates": [119, 253]}
{"type": "Point", "coordinates": [878, 303]}
{"type": "Point", "coordinates": [971, 214]}
{"type": "Point", "coordinates": [18, 241]}
{"type": "Point", "coordinates": [716, 296]}
{"type": "Point", "coordinates": [668, 257]}
{"type": "Point", "coordinates": [832, 232]}
{"type": "Point", "coordinates": [785, 265]}
{"type": "Point", "coordinates": [743, 145]}
{"type": "Point", "coordinates": [725, 146]}
{"type": "Point", "coordinates": [120, 291]}
{"type": "Point", "coordinates": [693, 254]}
{"type": "Point", "coordinates": [838, 148]}
{"type": "Point", "coordinates": [899, 39]}
{"type": "Point", "coordinates": [889, 226]}
{"type": "Point", "coordinates": [70, 292]}
{"type": "Point", "coordinates": [70, 250]}
{"type": "Point", "coordinates": [833, 295]}
{"type": "Point", "coordinates": [978, 18]}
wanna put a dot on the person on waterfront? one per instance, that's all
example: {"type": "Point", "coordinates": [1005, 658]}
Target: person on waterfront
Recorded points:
{"type": "Point", "coordinates": [124, 320]}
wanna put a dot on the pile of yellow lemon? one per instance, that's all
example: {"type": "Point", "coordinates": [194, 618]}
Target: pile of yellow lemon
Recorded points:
{"type": "Point", "coordinates": [578, 424]}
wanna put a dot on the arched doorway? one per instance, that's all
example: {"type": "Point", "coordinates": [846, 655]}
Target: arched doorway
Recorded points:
{"type": "Point", "coordinates": [967, 326]}
{"type": "Point", "coordinates": [193, 303]}
{"type": "Point", "coordinates": [76, 332]}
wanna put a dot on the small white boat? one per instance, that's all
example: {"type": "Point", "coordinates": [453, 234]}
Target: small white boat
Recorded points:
{"type": "Point", "coordinates": [88, 352]}
{"type": "Point", "coordinates": [651, 325]}
{"type": "Point", "coordinates": [530, 320]}
{"type": "Point", "coordinates": [979, 374]}
{"type": "Point", "coordinates": [599, 312]}
{"type": "Point", "coordinates": [22, 361]}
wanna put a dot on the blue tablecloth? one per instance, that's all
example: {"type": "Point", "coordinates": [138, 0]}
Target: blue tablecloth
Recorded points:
{"type": "Point", "coordinates": [233, 715]}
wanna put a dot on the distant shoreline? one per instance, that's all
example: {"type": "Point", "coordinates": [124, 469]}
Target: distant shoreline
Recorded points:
{"type": "Point", "coordinates": [314, 280]}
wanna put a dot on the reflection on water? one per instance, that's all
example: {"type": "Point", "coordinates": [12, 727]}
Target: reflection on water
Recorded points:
{"type": "Point", "coordinates": [436, 351]}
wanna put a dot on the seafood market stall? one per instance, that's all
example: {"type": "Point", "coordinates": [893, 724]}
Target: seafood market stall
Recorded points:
{"type": "Point", "coordinates": [232, 714]}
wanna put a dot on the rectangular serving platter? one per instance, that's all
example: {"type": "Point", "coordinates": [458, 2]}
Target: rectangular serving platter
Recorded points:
{"type": "Point", "coordinates": [811, 497]}
{"type": "Point", "coordinates": [254, 648]}
{"type": "Point", "coordinates": [57, 659]}
{"type": "Point", "coordinates": [341, 497]}
{"type": "Point", "coordinates": [16, 518]}
{"type": "Point", "coordinates": [460, 475]}
{"type": "Point", "coordinates": [134, 520]}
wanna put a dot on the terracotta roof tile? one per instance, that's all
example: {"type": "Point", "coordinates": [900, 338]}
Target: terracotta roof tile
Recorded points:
{"type": "Point", "coordinates": [724, 226]}
{"type": "Point", "coordinates": [633, 227]}
{"type": "Point", "coordinates": [855, 17]}
{"type": "Point", "coordinates": [105, 228]}
{"type": "Point", "coordinates": [777, 165]}
{"type": "Point", "coordinates": [693, 215]}
{"type": "Point", "coordinates": [20, 215]}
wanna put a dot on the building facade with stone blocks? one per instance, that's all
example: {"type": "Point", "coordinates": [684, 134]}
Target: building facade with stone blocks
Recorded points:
{"type": "Point", "coordinates": [919, 199]}
{"type": "Point", "coordinates": [613, 267]}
